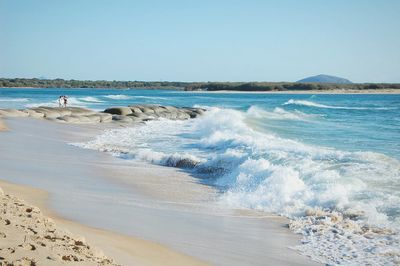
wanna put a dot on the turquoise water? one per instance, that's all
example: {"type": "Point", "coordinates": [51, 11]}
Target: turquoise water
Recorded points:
{"type": "Point", "coordinates": [348, 122]}
{"type": "Point", "coordinates": [311, 158]}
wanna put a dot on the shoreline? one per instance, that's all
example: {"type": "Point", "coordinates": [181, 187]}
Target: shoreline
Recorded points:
{"type": "Point", "coordinates": [124, 250]}
{"type": "Point", "coordinates": [173, 222]}
{"type": "Point", "coordinates": [335, 91]}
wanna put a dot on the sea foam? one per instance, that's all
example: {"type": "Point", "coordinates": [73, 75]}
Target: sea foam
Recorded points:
{"type": "Point", "coordinates": [14, 100]}
{"type": "Point", "coordinates": [346, 204]}
{"type": "Point", "coordinates": [72, 101]}
{"type": "Point", "coordinates": [118, 97]}
{"type": "Point", "coordinates": [90, 99]}
{"type": "Point", "coordinates": [319, 105]}
{"type": "Point", "coordinates": [280, 114]}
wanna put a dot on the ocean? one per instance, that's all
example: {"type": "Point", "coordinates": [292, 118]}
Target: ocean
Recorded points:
{"type": "Point", "coordinates": [330, 163]}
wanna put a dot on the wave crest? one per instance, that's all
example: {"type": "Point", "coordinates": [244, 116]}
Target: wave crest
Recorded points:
{"type": "Point", "coordinates": [14, 100]}
{"type": "Point", "coordinates": [318, 105]}
{"type": "Point", "coordinates": [265, 172]}
{"type": "Point", "coordinates": [279, 114]}
{"type": "Point", "coordinates": [118, 97]}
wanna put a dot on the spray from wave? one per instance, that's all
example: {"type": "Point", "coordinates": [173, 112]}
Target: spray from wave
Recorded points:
{"type": "Point", "coordinates": [346, 204]}
{"type": "Point", "coordinates": [279, 114]}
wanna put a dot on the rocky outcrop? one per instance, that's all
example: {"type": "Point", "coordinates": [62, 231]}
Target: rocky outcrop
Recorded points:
{"type": "Point", "coordinates": [118, 110]}
{"type": "Point", "coordinates": [119, 114]}
{"type": "Point", "coordinates": [142, 113]}
{"type": "Point", "coordinates": [151, 112]}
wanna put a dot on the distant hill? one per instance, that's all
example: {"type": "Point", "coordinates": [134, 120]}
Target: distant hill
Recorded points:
{"type": "Point", "coordinates": [325, 79]}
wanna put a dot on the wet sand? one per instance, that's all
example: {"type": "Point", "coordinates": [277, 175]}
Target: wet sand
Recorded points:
{"type": "Point", "coordinates": [126, 250]}
{"type": "Point", "coordinates": [166, 207]}
{"type": "Point", "coordinates": [2, 126]}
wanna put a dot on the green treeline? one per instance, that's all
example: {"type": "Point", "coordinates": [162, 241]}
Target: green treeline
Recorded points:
{"type": "Point", "coordinates": [192, 86]}
{"type": "Point", "coordinates": [61, 83]}
{"type": "Point", "coordinates": [287, 86]}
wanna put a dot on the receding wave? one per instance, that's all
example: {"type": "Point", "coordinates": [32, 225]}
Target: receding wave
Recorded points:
{"type": "Point", "coordinates": [119, 142]}
{"type": "Point", "coordinates": [318, 105]}
{"type": "Point", "coordinates": [345, 204]}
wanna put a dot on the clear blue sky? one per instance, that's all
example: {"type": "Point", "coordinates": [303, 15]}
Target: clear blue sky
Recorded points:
{"type": "Point", "coordinates": [200, 40]}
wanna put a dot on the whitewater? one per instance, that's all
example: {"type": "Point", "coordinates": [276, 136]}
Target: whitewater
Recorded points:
{"type": "Point", "coordinates": [330, 163]}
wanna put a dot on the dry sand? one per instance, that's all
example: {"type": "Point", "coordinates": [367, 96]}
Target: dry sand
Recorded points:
{"type": "Point", "coordinates": [28, 235]}
{"type": "Point", "coordinates": [2, 125]}
{"type": "Point", "coordinates": [32, 234]}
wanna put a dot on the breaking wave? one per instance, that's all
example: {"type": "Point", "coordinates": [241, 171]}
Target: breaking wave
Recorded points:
{"type": "Point", "coordinates": [91, 99]}
{"type": "Point", "coordinates": [279, 114]}
{"type": "Point", "coordinates": [127, 97]}
{"type": "Point", "coordinates": [318, 105]}
{"type": "Point", "coordinates": [14, 100]}
{"type": "Point", "coordinates": [72, 101]}
{"type": "Point", "coordinates": [345, 204]}
{"type": "Point", "coordinates": [151, 97]}
{"type": "Point", "coordinates": [118, 96]}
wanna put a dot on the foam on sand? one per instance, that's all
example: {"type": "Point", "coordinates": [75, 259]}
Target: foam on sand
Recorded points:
{"type": "Point", "coordinates": [262, 171]}
{"type": "Point", "coordinates": [118, 195]}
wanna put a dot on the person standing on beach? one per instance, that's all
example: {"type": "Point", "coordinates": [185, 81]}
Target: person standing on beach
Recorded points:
{"type": "Point", "coordinates": [60, 101]}
{"type": "Point", "coordinates": [65, 101]}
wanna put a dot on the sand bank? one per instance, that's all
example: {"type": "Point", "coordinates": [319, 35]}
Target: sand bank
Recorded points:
{"type": "Point", "coordinates": [161, 205]}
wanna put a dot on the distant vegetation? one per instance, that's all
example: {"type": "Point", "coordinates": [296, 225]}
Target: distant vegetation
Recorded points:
{"type": "Point", "coordinates": [192, 86]}
{"type": "Point", "coordinates": [61, 83]}
{"type": "Point", "coordinates": [287, 86]}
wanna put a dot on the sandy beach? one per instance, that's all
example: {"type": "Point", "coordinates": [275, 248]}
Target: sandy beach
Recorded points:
{"type": "Point", "coordinates": [200, 133]}
{"type": "Point", "coordinates": [28, 237]}
{"type": "Point", "coordinates": [133, 212]}
{"type": "Point", "coordinates": [2, 126]}
{"type": "Point", "coordinates": [47, 239]}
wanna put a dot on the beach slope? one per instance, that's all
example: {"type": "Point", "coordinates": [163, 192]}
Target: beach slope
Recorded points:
{"type": "Point", "coordinates": [105, 192]}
